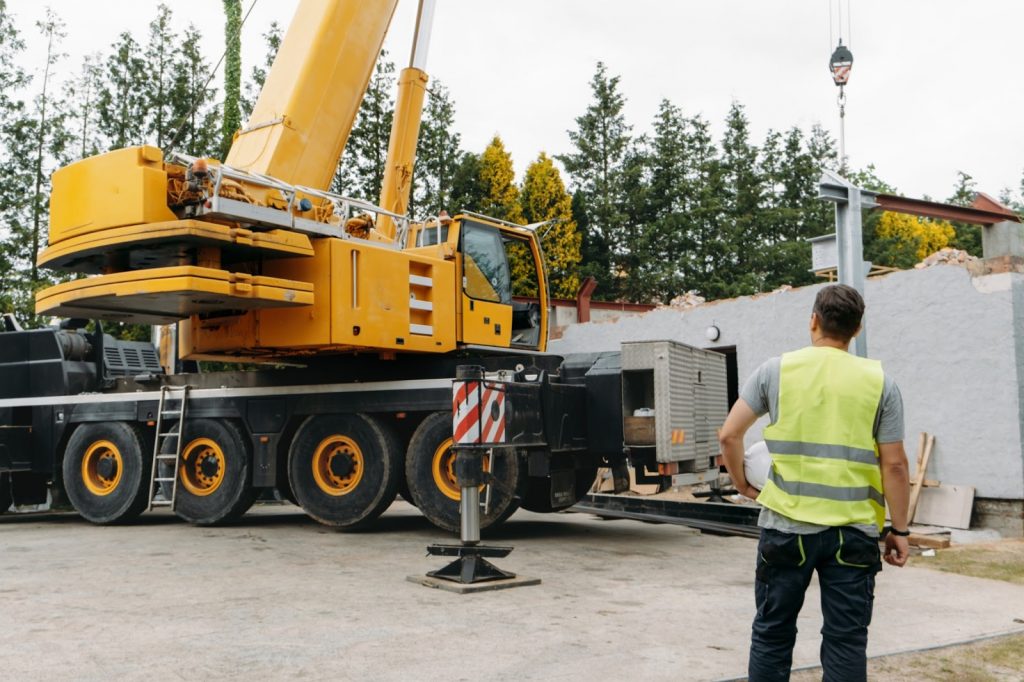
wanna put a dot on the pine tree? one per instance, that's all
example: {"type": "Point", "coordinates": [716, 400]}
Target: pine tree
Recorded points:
{"type": "Point", "coordinates": [497, 177]}
{"type": "Point", "coordinates": [601, 140]}
{"type": "Point", "coordinates": [361, 170]}
{"type": "Point", "coordinates": [437, 155]}
{"type": "Point", "coordinates": [194, 110]}
{"type": "Point", "coordinates": [543, 198]}
{"type": "Point", "coordinates": [49, 140]}
{"type": "Point", "coordinates": [159, 68]}
{"type": "Point", "coordinates": [968, 237]}
{"type": "Point", "coordinates": [467, 189]}
{"type": "Point", "coordinates": [81, 106]}
{"type": "Point", "coordinates": [258, 75]}
{"type": "Point", "coordinates": [666, 241]}
{"type": "Point", "coordinates": [121, 104]}
{"type": "Point", "coordinates": [232, 116]}
{"type": "Point", "coordinates": [702, 269]}
{"type": "Point", "coordinates": [13, 81]}
{"type": "Point", "coordinates": [743, 200]}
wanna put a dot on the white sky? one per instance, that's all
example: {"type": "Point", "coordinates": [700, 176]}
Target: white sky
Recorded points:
{"type": "Point", "coordinates": [935, 86]}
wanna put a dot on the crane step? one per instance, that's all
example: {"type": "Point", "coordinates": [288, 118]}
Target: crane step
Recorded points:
{"type": "Point", "coordinates": [167, 457]}
{"type": "Point", "coordinates": [164, 479]}
{"type": "Point", "coordinates": [169, 434]}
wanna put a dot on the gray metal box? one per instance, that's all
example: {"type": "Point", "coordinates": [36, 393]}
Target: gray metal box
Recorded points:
{"type": "Point", "coordinates": [687, 389]}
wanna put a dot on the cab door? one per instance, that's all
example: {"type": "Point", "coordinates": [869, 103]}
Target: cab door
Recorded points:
{"type": "Point", "coordinates": [486, 286]}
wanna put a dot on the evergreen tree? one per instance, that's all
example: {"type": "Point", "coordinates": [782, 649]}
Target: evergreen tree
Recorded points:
{"type": "Point", "coordinates": [601, 140]}
{"type": "Point", "coordinates": [159, 69]}
{"type": "Point", "coordinates": [467, 189]}
{"type": "Point", "coordinates": [497, 177]}
{"type": "Point", "coordinates": [258, 75]}
{"type": "Point", "coordinates": [81, 107]}
{"type": "Point", "coordinates": [968, 237]}
{"type": "Point", "coordinates": [543, 198]}
{"type": "Point", "coordinates": [742, 206]}
{"type": "Point", "coordinates": [122, 102]}
{"type": "Point", "coordinates": [194, 110]}
{"type": "Point", "coordinates": [13, 177]}
{"type": "Point", "coordinates": [50, 138]}
{"type": "Point", "coordinates": [666, 241]}
{"type": "Point", "coordinates": [232, 116]}
{"type": "Point", "coordinates": [361, 170]}
{"type": "Point", "coordinates": [437, 155]}
{"type": "Point", "coordinates": [702, 270]}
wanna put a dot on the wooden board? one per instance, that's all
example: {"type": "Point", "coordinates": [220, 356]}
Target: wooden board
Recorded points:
{"type": "Point", "coordinates": [945, 505]}
{"type": "Point", "coordinates": [929, 541]}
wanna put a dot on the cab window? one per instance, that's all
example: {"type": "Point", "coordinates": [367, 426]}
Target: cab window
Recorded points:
{"type": "Point", "coordinates": [485, 268]}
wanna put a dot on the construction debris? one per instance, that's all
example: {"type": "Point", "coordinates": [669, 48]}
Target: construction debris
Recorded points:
{"type": "Point", "coordinates": [691, 299]}
{"type": "Point", "coordinates": [947, 256]}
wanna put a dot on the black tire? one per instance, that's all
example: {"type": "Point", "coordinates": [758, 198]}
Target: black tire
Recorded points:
{"type": "Point", "coordinates": [344, 469]}
{"type": "Point", "coordinates": [106, 471]}
{"type": "Point", "coordinates": [215, 473]}
{"type": "Point", "coordinates": [537, 496]}
{"type": "Point", "coordinates": [435, 491]}
{"type": "Point", "coordinates": [6, 497]}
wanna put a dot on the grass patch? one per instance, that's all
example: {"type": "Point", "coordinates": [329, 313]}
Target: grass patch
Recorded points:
{"type": "Point", "coordinates": [993, 660]}
{"type": "Point", "coordinates": [996, 561]}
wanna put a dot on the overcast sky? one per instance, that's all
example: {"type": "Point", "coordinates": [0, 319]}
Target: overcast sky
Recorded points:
{"type": "Point", "coordinates": [936, 84]}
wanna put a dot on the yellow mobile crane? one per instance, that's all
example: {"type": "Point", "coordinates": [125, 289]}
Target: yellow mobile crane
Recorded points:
{"type": "Point", "coordinates": [255, 257]}
{"type": "Point", "coordinates": [373, 314]}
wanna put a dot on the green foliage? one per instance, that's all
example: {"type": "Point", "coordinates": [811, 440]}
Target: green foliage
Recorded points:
{"type": "Point", "coordinates": [968, 237]}
{"type": "Point", "coordinates": [122, 104]}
{"type": "Point", "coordinates": [194, 108]}
{"type": "Point", "coordinates": [543, 198]}
{"type": "Point", "coordinates": [467, 188]}
{"type": "Point", "coordinates": [497, 177]}
{"type": "Point", "coordinates": [232, 115]}
{"type": "Point", "coordinates": [159, 68]}
{"type": "Point", "coordinates": [437, 155]}
{"type": "Point", "coordinates": [600, 141]}
{"type": "Point", "coordinates": [360, 172]}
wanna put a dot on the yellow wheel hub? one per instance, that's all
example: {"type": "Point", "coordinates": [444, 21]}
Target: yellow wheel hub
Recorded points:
{"type": "Point", "coordinates": [338, 465]}
{"type": "Point", "coordinates": [443, 468]}
{"type": "Point", "coordinates": [102, 468]}
{"type": "Point", "coordinates": [202, 467]}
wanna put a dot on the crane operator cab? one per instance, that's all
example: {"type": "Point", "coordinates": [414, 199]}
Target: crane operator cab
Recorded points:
{"type": "Point", "coordinates": [503, 288]}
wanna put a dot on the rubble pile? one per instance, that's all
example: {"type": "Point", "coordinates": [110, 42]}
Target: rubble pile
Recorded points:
{"type": "Point", "coordinates": [691, 299]}
{"type": "Point", "coordinates": [947, 256]}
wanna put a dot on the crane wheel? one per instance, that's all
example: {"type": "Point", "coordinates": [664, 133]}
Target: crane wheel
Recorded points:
{"type": "Point", "coordinates": [537, 497]}
{"type": "Point", "coordinates": [344, 469]}
{"type": "Point", "coordinates": [214, 472]}
{"type": "Point", "coordinates": [430, 473]}
{"type": "Point", "coordinates": [6, 496]}
{"type": "Point", "coordinates": [106, 471]}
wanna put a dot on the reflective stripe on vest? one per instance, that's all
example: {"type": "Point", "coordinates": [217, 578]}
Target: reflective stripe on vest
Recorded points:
{"type": "Point", "coordinates": [824, 456]}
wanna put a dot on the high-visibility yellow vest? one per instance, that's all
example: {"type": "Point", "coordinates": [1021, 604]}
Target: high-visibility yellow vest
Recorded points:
{"type": "Point", "coordinates": [824, 456]}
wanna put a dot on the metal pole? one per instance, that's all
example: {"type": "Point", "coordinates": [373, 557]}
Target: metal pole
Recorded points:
{"type": "Point", "coordinates": [469, 510]}
{"type": "Point", "coordinates": [850, 243]}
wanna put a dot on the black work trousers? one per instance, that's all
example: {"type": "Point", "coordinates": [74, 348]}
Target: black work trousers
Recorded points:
{"type": "Point", "coordinates": [846, 561]}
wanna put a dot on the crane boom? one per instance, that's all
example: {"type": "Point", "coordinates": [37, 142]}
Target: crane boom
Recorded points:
{"type": "Point", "coordinates": [308, 105]}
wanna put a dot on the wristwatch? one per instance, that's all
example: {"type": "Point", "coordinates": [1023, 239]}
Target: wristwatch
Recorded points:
{"type": "Point", "coordinates": [900, 533]}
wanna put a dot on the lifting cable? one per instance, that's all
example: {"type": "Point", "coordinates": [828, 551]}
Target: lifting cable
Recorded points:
{"type": "Point", "coordinates": [213, 72]}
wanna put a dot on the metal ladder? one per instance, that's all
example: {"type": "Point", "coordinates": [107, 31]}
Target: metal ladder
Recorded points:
{"type": "Point", "coordinates": [167, 393]}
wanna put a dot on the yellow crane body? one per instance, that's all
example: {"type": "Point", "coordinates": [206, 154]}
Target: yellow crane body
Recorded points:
{"type": "Point", "coordinates": [254, 258]}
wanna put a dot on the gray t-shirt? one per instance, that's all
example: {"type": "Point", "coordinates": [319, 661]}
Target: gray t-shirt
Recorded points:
{"type": "Point", "coordinates": [761, 393]}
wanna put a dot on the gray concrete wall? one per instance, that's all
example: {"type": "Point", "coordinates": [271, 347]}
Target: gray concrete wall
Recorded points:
{"type": "Point", "coordinates": [955, 346]}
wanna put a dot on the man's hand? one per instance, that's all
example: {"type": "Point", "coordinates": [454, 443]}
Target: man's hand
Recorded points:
{"type": "Point", "coordinates": [749, 491]}
{"type": "Point", "coordinates": [897, 550]}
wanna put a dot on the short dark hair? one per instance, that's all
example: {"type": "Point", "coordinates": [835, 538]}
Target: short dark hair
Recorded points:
{"type": "Point", "coordinates": [839, 308]}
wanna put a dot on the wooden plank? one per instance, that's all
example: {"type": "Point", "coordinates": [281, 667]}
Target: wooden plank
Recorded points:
{"type": "Point", "coordinates": [947, 505]}
{"type": "Point", "coordinates": [922, 468]}
{"type": "Point", "coordinates": [929, 541]}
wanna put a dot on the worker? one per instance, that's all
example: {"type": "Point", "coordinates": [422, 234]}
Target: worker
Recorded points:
{"type": "Point", "coordinates": [836, 443]}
